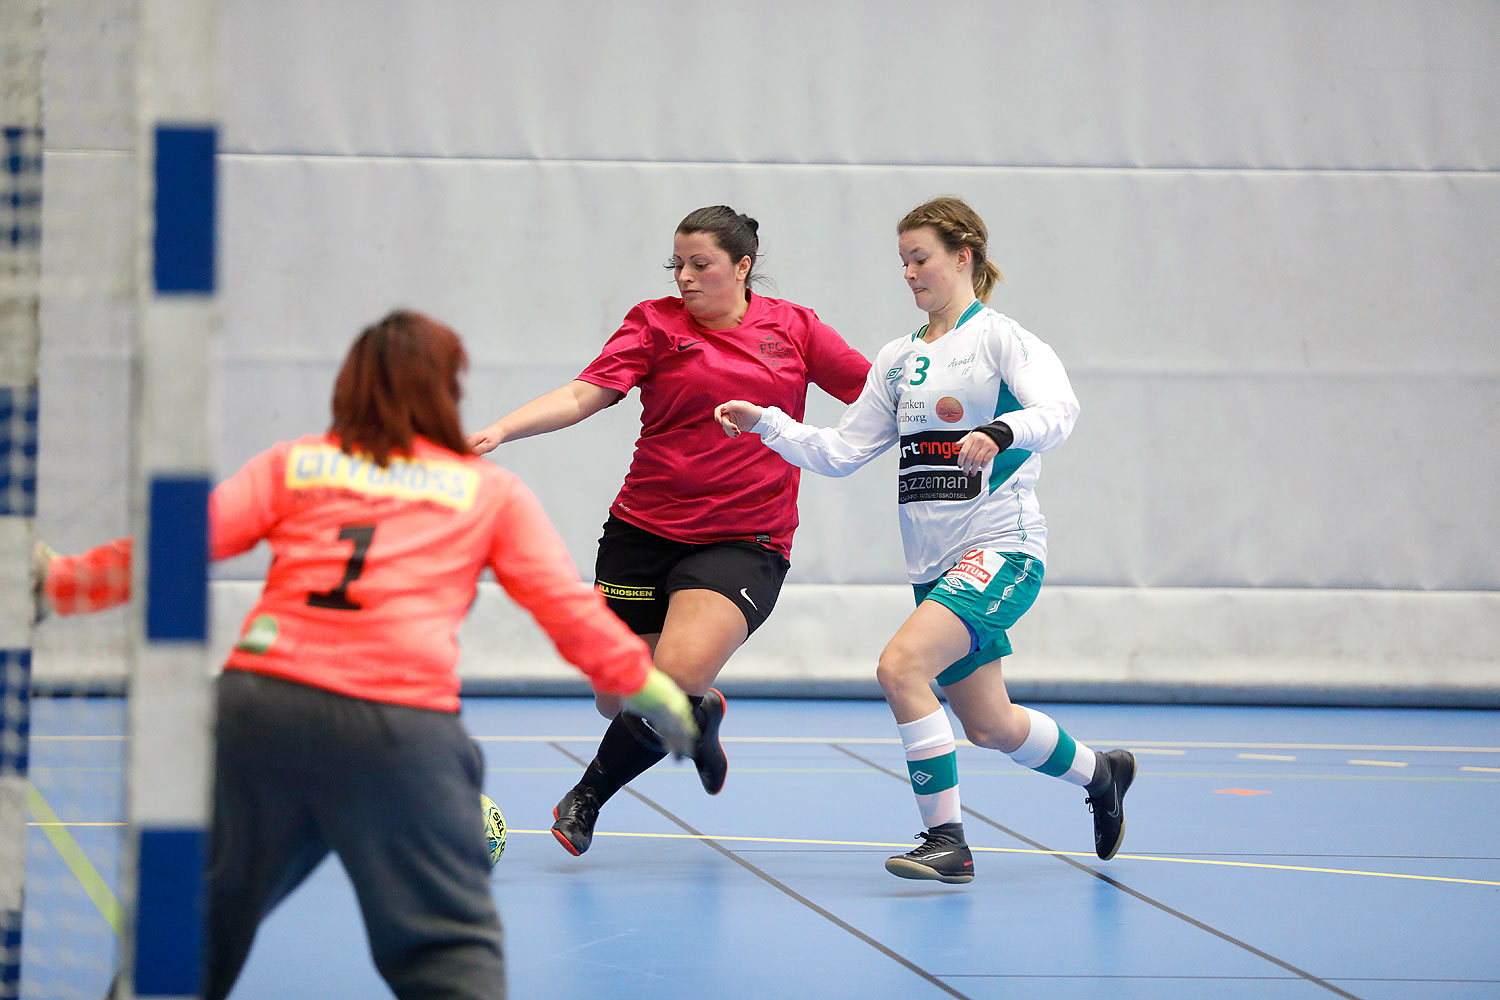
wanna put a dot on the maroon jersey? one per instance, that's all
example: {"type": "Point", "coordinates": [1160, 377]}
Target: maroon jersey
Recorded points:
{"type": "Point", "coordinates": [688, 481]}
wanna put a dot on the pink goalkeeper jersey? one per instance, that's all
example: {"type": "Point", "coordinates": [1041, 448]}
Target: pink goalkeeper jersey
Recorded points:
{"type": "Point", "coordinates": [688, 481]}
{"type": "Point", "coordinates": [373, 569]}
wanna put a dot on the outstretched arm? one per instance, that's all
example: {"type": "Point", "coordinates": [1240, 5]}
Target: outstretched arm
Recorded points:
{"type": "Point", "coordinates": [534, 568]}
{"type": "Point", "coordinates": [867, 428]}
{"type": "Point", "coordinates": [240, 511]}
{"type": "Point", "coordinates": [562, 407]}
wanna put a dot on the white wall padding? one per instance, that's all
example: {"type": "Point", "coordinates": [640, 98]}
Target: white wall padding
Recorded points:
{"type": "Point", "coordinates": [1288, 379]}
{"type": "Point", "coordinates": [1394, 84]}
{"type": "Point", "coordinates": [1260, 236]}
{"type": "Point", "coordinates": [1087, 643]}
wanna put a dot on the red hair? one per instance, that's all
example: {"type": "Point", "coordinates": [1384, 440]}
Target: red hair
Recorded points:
{"type": "Point", "coordinates": [400, 379]}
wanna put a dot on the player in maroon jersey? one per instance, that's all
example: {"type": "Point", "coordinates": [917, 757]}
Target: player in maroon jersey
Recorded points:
{"type": "Point", "coordinates": [697, 542]}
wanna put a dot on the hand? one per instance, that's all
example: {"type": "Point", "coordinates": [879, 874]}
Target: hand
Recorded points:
{"type": "Point", "coordinates": [41, 563]}
{"type": "Point", "coordinates": [666, 709]}
{"type": "Point", "coordinates": [485, 441]}
{"type": "Point", "coordinates": [975, 451]}
{"type": "Point", "coordinates": [737, 416]}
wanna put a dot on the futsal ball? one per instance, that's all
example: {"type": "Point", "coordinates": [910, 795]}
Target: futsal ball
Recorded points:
{"type": "Point", "coordinates": [494, 828]}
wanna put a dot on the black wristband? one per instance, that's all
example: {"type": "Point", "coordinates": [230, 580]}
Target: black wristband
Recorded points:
{"type": "Point", "coordinates": [998, 432]}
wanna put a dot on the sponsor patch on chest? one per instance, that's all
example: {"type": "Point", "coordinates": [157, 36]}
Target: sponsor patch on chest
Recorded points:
{"type": "Point", "coordinates": [931, 448]}
{"type": "Point", "coordinates": [949, 410]}
{"type": "Point", "coordinates": [914, 487]}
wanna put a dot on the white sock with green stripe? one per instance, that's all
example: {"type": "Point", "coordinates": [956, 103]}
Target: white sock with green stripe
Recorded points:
{"type": "Point", "coordinates": [1053, 752]}
{"type": "Point", "coordinates": [932, 760]}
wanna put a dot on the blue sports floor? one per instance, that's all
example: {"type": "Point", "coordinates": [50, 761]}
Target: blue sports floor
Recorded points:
{"type": "Point", "coordinates": [1269, 853]}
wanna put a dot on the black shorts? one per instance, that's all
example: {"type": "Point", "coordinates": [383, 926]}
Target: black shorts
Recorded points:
{"type": "Point", "coordinates": [638, 572]}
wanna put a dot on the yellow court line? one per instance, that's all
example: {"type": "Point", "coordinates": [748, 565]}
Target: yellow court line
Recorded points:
{"type": "Point", "coordinates": [1145, 744]}
{"type": "Point", "coordinates": [1295, 776]}
{"type": "Point", "coordinates": [1009, 771]}
{"type": "Point", "coordinates": [1013, 771]}
{"type": "Point", "coordinates": [1061, 854]}
{"type": "Point", "coordinates": [1397, 748]}
{"type": "Point", "coordinates": [1266, 756]}
{"type": "Point", "coordinates": [77, 861]}
{"type": "Point", "coordinates": [1379, 763]}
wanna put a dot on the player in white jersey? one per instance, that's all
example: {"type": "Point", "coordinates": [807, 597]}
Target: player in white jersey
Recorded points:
{"type": "Point", "coordinates": [972, 399]}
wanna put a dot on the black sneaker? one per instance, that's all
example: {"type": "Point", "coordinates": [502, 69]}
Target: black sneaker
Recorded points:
{"type": "Point", "coordinates": [943, 856]}
{"type": "Point", "coordinates": [1108, 803]}
{"type": "Point", "coordinates": [576, 815]}
{"type": "Point", "coordinates": [708, 753]}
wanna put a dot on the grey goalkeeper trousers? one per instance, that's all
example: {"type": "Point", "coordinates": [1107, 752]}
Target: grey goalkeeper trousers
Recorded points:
{"type": "Point", "coordinates": [393, 791]}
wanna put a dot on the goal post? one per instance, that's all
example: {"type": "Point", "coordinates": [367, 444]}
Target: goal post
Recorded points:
{"type": "Point", "coordinates": [20, 301]}
{"type": "Point", "coordinates": [107, 425]}
{"type": "Point", "coordinates": [171, 711]}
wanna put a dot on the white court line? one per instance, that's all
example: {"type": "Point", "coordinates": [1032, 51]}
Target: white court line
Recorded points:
{"type": "Point", "coordinates": [1155, 746]}
{"type": "Point", "coordinates": [1139, 746]}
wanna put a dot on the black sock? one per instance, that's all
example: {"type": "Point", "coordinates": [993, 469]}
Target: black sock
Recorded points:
{"type": "Point", "coordinates": [620, 759]}
{"type": "Point", "coordinates": [950, 831]}
{"type": "Point", "coordinates": [696, 700]}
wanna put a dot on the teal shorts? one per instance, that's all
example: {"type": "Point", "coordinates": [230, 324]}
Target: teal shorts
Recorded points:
{"type": "Point", "coordinates": [989, 591]}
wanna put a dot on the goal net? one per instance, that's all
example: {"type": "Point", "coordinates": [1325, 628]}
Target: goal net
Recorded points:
{"type": "Point", "coordinates": [94, 712]}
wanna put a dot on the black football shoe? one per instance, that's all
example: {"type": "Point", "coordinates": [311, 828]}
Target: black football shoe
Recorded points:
{"type": "Point", "coordinates": [576, 815]}
{"type": "Point", "coordinates": [943, 857]}
{"type": "Point", "coordinates": [1113, 773]}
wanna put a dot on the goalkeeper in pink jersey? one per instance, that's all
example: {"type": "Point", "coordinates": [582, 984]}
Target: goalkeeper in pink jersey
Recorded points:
{"type": "Point", "coordinates": [338, 725]}
{"type": "Point", "coordinates": [697, 542]}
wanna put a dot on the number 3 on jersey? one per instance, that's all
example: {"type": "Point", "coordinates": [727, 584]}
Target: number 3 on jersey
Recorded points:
{"type": "Point", "coordinates": [920, 375]}
{"type": "Point", "coordinates": [337, 599]}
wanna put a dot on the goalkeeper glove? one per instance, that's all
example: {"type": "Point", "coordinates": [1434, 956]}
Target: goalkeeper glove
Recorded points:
{"type": "Point", "coordinates": [41, 561]}
{"type": "Point", "coordinates": [666, 709]}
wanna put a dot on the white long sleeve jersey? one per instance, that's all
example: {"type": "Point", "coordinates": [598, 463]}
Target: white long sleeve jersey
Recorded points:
{"type": "Point", "coordinates": [928, 396]}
